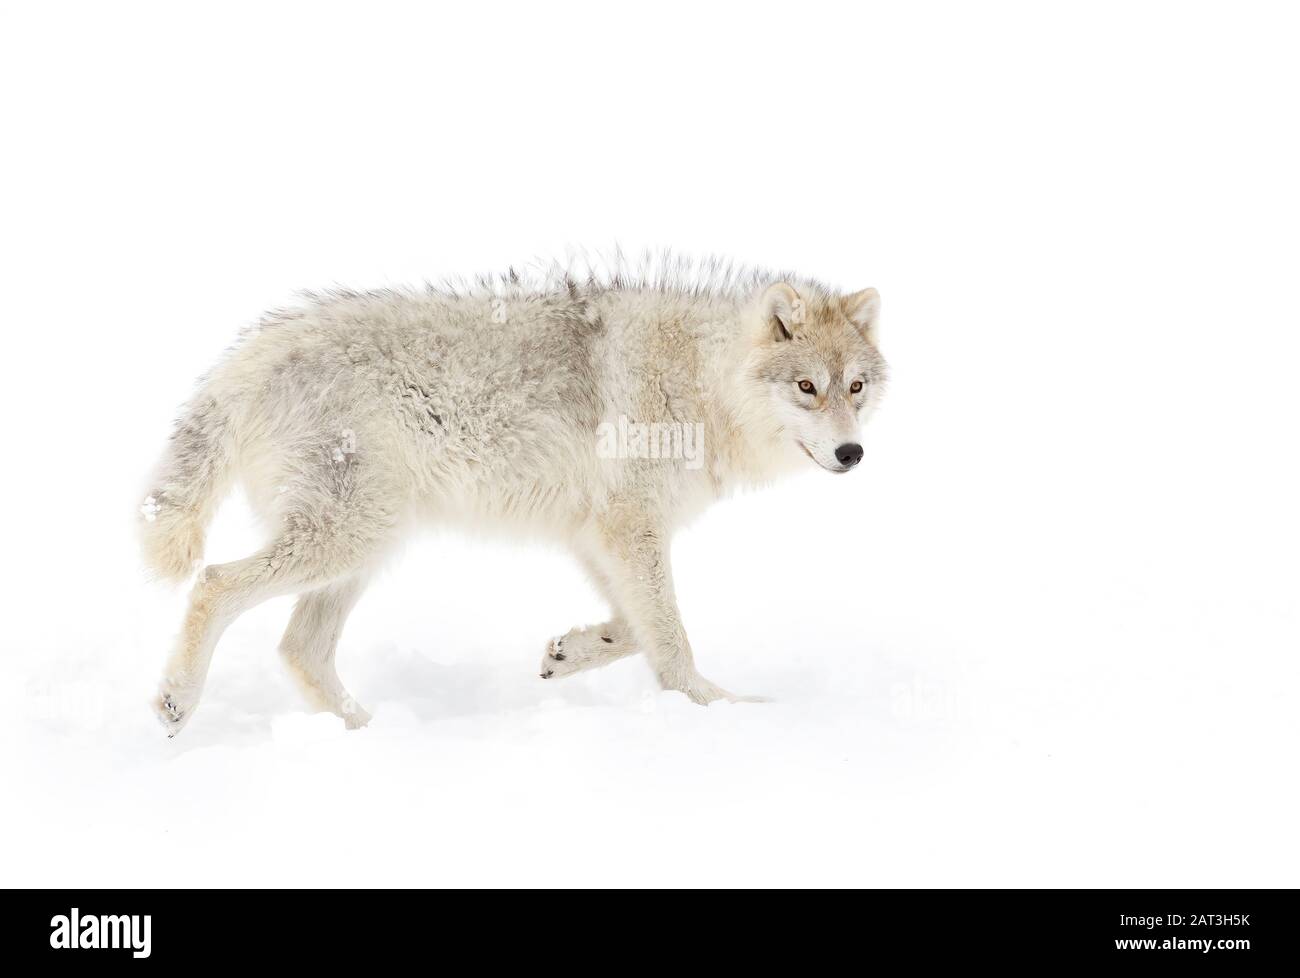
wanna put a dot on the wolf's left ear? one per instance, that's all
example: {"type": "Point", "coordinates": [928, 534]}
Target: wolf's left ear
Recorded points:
{"type": "Point", "coordinates": [783, 311]}
{"type": "Point", "coordinates": [863, 310]}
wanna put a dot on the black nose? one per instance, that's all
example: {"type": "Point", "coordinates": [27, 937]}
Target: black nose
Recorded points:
{"type": "Point", "coordinates": [849, 454]}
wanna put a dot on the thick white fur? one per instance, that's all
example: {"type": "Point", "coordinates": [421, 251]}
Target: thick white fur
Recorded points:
{"type": "Point", "coordinates": [353, 416]}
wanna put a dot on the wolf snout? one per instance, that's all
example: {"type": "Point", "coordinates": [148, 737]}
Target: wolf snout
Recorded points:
{"type": "Point", "coordinates": [849, 454]}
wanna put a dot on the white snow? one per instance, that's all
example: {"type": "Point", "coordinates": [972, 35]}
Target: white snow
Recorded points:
{"type": "Point", "coordinates": [1047, 634]}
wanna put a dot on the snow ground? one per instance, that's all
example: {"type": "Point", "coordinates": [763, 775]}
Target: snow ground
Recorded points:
{"type": "Point", "coordinates": [1046, 635]}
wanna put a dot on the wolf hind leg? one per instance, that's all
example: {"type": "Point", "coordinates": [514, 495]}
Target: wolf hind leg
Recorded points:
{"type": "Point", "coordinates": [316, 546]}
{"type": "Point", "coordinates": [310, 643]}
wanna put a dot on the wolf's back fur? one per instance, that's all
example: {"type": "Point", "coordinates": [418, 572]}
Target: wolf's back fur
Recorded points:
{"type": "Point", "coordinates": [356, 413]}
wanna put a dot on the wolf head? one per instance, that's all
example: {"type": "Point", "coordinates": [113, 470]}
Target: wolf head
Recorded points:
{"type": "Point", "coordinates": [815, 368]}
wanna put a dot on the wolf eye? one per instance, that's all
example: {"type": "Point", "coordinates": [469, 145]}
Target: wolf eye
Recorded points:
{"type": "Point", "coordinates": [807, 387]}
{"type": "Point", "coordinates": [855, 387]}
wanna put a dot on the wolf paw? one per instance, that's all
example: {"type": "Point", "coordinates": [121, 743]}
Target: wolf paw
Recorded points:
{"type": "Point", "coordinates": [553, 661]}
{"type": "Point", "coordinates": [354, 715]}
{"type": "Point", "coordinates": [584, 648]}
{"type": "Point", "coordinates": [700, 690]}
{"type": "Point", "coordinates": [174, 707]}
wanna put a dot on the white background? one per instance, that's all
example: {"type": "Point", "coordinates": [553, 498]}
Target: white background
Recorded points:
{"type": "Point", "coordinates": [1045, 635]}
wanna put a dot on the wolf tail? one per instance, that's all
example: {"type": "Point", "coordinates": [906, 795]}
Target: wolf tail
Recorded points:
{"type": "Point", "coordinates": [187, 484]}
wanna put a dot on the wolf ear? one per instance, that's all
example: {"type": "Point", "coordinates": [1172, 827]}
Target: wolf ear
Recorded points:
{"type": "Point", "coordinates": [783, 311]}
{"type": "Point", "coordinates": [863, 310]}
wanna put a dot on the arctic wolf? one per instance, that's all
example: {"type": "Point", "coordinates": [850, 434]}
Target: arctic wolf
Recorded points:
{"type": "Point", "coordinates": [358, 415]}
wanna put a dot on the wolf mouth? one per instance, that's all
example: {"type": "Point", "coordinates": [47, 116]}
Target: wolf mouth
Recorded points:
{"type": "Point", "coordinates": [815, 459]}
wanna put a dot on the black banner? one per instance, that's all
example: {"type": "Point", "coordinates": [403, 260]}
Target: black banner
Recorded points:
{"type": "Point", "coordinates": [130, 930]}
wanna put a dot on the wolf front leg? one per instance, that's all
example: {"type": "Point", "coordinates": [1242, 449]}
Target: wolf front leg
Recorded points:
{"type": "Point", "coordinates": [634, 556]}
{"type": "Point", "coordinates": [596, 645]}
